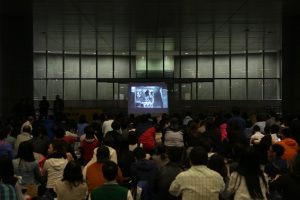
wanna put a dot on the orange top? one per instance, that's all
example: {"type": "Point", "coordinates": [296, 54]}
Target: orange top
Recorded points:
{"type": "Point", "coordinates": [94, 176]}
{"type": "Point", "coordinates": [290, 148]}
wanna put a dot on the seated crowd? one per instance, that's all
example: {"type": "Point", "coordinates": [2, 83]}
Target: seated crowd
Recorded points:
{"type": "Point", "coordinates": [211, 157]}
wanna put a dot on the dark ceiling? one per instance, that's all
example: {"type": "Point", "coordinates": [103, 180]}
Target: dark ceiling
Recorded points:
{"type": "Point", "coordinates": [124, 25]}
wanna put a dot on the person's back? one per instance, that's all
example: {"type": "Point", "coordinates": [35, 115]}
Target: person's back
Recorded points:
{"type": "Point", "coordinates": [110, 190]}
{"type": "Point", "coordinates": [144, 170]}
{"type": "Point", "coordinates": [198, 182]}
{"type": "Point", "coordinates": [168, 173]}
{"type": "Point", "coordinates": [94, 174]}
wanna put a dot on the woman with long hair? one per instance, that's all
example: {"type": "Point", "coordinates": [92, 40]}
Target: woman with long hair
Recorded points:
{"type": "Point", "coordinates": [248, 181]}
{"type": "Point", "coordinates": [26, 166]}
{"type": "Point", "coordinates": [72, 185]}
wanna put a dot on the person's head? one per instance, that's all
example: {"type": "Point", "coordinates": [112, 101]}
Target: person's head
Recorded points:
{"type": "Point", "coordinates": [57, 148]}
{"type": "Point", "coordinates": [89, 132]}
{"type": "Point", "coordinates": [60, 132]}
{"type": "Point", "coordinates": [249, 168]}
{"type": "Point", "coordinates": [217, 163]}
{"type": "Point", "coordinates": [6, 170]}
{"type": "Point", "coordinates": [132, 138]}
{"type": "Point", "coordinates": [249, 162]}
{"type": "Point", "coordinates": [26, 129]}
{"type": "Point", "coordinates": [116, 125]}
{"type": "Point", "coordinates": [274, 129]}
{"type": "Point", "coordinates": [275, 150]}
{"type": "Point", "coordinates": [25, 152]}
{"type": "Point", "coordinates": [109, 170]}
{"type": "Point", "coordinates": [198, 156]}
{"type": "Point", "coordinates": [175, 154]}
{"type": "Point", "coordinates": [139, 153]}
{"type": "Point", "coordinates": [44, 98]}
{"type": "Point", "coordinates": [206, 143]}
{"type": "Point", "coordinates": [102, 154]}
{"type": "Point", "coordinates": [30, 119]}
{"type": "Point", "coordinates": [57, 97]}
{"type": "Point", "coordinates": [73, 173]}
{"type": "Point", "coordinates": [256, 129]}
{"type": "Point", "coordinates": [174, 123]}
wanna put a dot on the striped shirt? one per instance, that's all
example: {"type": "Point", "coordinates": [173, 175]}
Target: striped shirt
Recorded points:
{"type": "Point", "coordinates": [198, 182]}
{"type": "Point", "coordinates": [7, 192]}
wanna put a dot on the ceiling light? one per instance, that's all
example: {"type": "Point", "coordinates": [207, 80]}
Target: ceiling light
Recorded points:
{"type": "Point", "coordinates": [123, 53]}
{"type": "Point", "coordinates": [186, 53]}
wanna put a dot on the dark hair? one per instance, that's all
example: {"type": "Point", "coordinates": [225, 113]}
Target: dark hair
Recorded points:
{"type": "Point", "coordinates": [115, 125]}
{"type": "Point", "coordinates": [139, 153]}
{"type": "Point", "coordinates": [26, 129]}
{"type": "Point", "coordinates": [175, 154]}
{"type": "Point", "coordinates": [174, 124]}
{"type": "Point", "coordinates": [217, 163]}
{"type": "Point", "coordinates": [7, 171]}
{"type": "Point", "coordinates": [60, 132]}
{"type": "Point", "coordinates": [109, 170]}
{"type": "Point", "coordinates": [73, 174]}
{"type": "Point", "coordinates": [59, 148]}
{"type": "Point", "coordinates": [102, 153]}
{"type": "Point", "coordinates": [206, 143]}
{"type": "Point", "coordinates": [256, 128]}
{"type": "Point", "coordinates": [249, 167]}
{"type": "Point", "coordinates": [198, 156]}
{"type": "Point", "coordinates": [132, 137]}
{"type": "Point", "coordinates": [274, 128]}
{"type": "Point", "coordinates": [236, 111]}
{"type": "Point", "coordinates": [89, 132]}
{"type": "Point", "coordinates": [278, 149]}
{"type": "Point", "coordinates": [25, 152]}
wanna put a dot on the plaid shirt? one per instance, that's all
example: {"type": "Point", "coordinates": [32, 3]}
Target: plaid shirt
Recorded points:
{"type": "Point", "coordinates": [198, 182]}
{"type": "Point", "coordinates": [7, 192]}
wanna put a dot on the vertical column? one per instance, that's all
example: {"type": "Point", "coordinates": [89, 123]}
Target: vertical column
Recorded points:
{"type": "Point", "coordinates": [290, 58]}
{"type": "Point", "coordinates": [16, 56]}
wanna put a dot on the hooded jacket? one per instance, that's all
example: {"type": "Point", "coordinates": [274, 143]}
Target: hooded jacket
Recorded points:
{"type": "Point", "coordinates": [54, 169]}
{"type": "Point", "coordinates": [290, 148]}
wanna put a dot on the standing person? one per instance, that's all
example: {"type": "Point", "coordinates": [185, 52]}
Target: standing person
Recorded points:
{"type": "Point", "coordinates": [72, 185]}
{"type": "Point", "coordinates": [198, 182]}
{"type": "Point", "coordinates": [110, 190]}
{"type": "Point", "coordinates": [58, 108]}
{"type": "Point", "coordinates": [248, 181]}
{"type": "Point", "coordinates": [44, 107]}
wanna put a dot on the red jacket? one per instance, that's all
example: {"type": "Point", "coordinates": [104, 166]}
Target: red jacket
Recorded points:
{"type": "Point", "coordinates": [148, 139]}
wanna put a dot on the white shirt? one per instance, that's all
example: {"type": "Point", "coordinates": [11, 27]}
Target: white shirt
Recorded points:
{"type": "Point", "coordinates": [106, 126]}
